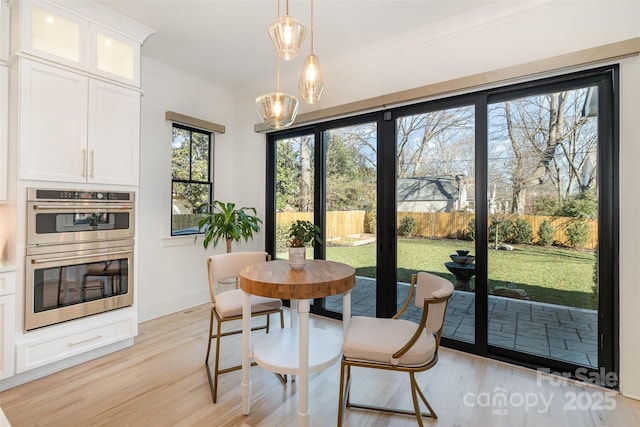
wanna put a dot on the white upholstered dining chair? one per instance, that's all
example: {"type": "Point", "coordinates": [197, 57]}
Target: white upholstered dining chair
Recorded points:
{"type": "Point", "coordinates": [227, 306]}
{"type": "Point", "coordinates": [398, 345]}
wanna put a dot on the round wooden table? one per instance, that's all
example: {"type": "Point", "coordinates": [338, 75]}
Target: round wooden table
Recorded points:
{"type": "Point", "coordinates": [289, 350]}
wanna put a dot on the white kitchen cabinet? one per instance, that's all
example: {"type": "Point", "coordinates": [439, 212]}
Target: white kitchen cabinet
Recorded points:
{"type": "Point", "coordinates": [4, 31]}
{"type": "Point", "coordinates": [76, 129]}
{"type": "Point", "coordinates": [53, 123]}
{"type": "Point", "coordinates": [114, 56]}
{"type": "Point", "coordinates": [4, 116]}
{"type": "Point", "coordinates": [114, 134]}
{"type": "Point", "coordinates": [56, 34]}
{"type": "Point", "coordinates": [7, 323]}
{"type": "Point", "coordinates": [52, 347]}
{"type": "Point", "coordinates": [7, 326]}
{"type": "Point", "coordinates": [52, 33]}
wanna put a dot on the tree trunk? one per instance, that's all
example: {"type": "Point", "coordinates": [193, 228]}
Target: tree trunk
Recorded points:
{"type": "Point", "coordinates": [228, 245]}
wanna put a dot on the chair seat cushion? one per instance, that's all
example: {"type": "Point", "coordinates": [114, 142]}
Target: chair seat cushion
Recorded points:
{"type": "Point", "coordinates": [229, 304]}
{"type": "Point", "coordinates": [376, 340]}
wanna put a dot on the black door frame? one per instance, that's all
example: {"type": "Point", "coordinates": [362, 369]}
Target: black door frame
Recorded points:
{"type": "Point", "coordinates": [607, 80]}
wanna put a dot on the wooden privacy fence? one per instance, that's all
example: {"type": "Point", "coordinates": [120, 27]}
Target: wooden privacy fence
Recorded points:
{"type": "Point", "coordinates": [455, 225]}
{"type": "Point", "coordinates": [339, 223]}
{"type": "Point", "coordinates": [182, 221]}
{"type": "Point", "coordinates": [450, 225]}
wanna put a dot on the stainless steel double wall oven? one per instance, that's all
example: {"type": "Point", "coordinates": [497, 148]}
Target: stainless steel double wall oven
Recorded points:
{"type": "Point", "coordinates": [79, 254]}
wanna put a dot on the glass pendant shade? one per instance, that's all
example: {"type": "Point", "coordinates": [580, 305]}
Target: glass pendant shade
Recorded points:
{"type": "Point", "coordinates": [311, 84]}
{"type": "Point", "coordinates": [287, 35]}
{"type": "Point", "coordinates": [277, 110]}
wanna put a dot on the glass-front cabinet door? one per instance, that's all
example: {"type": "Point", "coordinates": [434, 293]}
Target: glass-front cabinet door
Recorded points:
{"type": "Point", "coordinates": [53, 34]}
{"type": "Point", "coordinates": [65, 38]}
{"type": "Point", "coordinates": [114, 56]}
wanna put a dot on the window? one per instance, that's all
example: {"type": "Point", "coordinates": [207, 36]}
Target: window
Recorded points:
{"type": "Point", "coordinates": [190, 177]}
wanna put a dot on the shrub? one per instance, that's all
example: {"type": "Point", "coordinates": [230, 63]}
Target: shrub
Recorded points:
{"type": "Point", "coordinates": [499, 229]}
{"type": "Point", "coordinates": [282, 237]}
{"type": "Point", "coordinates": [578, 234]}
{"type": "Point", "coordinates": [408, 226]}
{"type": "Point", "coordinates": [521, 231]}
{"type": "Point", "coordinates": [544, 205]}
{"type": "Point", "coordinates": [370, 221]}
{"type": "Point", "coordinates": [470, 232]}
{"type": "Point", "coordinates": [546, 232]}
{"type": "Point", "coordinates": [583, 205]}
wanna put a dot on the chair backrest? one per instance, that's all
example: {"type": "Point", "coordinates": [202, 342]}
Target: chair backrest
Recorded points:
{"type": "Point", "coordinates": [229, 265]}
{"type": "Point", "coordinates": [430, 286]}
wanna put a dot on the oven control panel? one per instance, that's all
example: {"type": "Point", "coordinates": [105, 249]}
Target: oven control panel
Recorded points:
{"type": "Point", "coordinates": [39, 194]}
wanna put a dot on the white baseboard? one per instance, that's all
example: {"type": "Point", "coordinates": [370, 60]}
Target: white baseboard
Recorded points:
{"type": "Point", "coordinates": [34, 374]}
{"type": "Point", "coordinates": [172, 305]}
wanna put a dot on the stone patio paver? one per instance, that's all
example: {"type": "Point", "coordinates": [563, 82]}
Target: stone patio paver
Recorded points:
{"type": "Point", "coordinates": [548, 330]}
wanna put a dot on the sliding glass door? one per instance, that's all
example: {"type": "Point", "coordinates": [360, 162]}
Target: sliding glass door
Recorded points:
{"type": "Point", "coordinates": [351, 166]}
{"type": "Point", "coordinates": [510, 193]}
{"type": "Point", "coordinates": [545, 149]}
{"type": "Point", "coordinates": [294, 188]}
{"type": "Point", "coordinates": [435, 202]}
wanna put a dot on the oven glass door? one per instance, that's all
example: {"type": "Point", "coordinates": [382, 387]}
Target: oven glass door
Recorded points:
{"type": "Point", "coordinates": [55, 224]}
{"type": "Point", "coordinates": [69, 285]}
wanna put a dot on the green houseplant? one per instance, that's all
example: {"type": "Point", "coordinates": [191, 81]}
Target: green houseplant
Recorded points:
{"type": "Point", "coordinates": [301, 233]}
{"type": "Point", "coordinates": [224, 221]}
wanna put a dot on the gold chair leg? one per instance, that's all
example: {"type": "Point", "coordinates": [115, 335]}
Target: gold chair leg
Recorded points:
{"type": "Point", "coordinates": [347, 396]}
{"type": "Point", "coordinates": [414, 397]}
{"type": "Point", "coordinates": [206, 359]}
{"type": "Point", "coordinates": [268, 322]}
{"type": "Point", "coordinates": [432, 413]}
{"type": "Point", "coordinates": [415, 391]}
{"type": "Point", "coordinates": [216, 366]}
{"type": "Point", "coordinates": [282, 377]}
{"type": "Point", "coordinates": [341, 397]}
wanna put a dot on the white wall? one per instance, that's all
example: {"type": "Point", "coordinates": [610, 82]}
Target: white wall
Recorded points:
{"type": "Point", "coordinates": [506, 34]}
{"type": "Point", "coordinates": [172, 271]}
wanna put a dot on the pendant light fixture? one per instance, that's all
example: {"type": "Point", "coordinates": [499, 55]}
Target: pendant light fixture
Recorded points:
{"type": "Point", "coordinates": [287, 34]}
{"type": "Point", "coordinates": [311, 84]}
{"type": "Point", "coordinates": [277, 110]}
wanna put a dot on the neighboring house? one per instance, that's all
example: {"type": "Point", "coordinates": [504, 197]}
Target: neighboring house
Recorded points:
{"type": "Point", "coordinates": [432, 194]}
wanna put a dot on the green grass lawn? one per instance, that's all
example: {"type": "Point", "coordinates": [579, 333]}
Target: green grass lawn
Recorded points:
{"type": "Point", "coordinates": [548, 274]}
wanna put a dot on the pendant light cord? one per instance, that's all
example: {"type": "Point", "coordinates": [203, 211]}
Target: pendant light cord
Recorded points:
{"type": "Point", "coordinates": [277, 73]}
{"type": "Point", "coordinates": [311, 27]}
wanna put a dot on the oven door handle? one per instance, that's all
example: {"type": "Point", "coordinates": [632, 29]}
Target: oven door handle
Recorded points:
{"type": "Point", "coordinates": [91, 208]}
{"type": "Point", "coordinates": [66, 258]}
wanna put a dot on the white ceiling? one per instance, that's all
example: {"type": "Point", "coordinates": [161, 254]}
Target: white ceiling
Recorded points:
{"type": "Point", "coordinates": [226, 41]}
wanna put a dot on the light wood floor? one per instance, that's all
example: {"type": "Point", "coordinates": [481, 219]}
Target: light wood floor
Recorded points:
{"type": "Point", "coordinates": [161, 381]}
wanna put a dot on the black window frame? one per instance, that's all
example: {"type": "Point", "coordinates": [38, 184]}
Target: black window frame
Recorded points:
{"type": "Point", "coordinates": [209, 181]}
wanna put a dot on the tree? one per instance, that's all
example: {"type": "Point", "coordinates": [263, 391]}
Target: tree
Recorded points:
{"type": "Point", "coordinates": [294, 174]}
{"type": "Point", "coordinates": [438, 143]}
{"type": "Point", "coordinates": [351, 175]}
{"type": "Point", "coordinates": [544, 145]}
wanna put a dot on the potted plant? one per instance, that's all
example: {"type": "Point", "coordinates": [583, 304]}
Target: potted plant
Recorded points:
{"type": "Point", "coordinates": [224, 221]}
{"type": "Point", "coordinates": [301, 233]}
